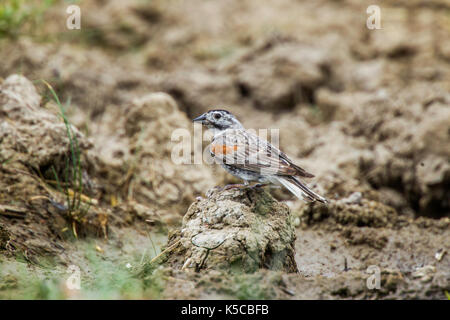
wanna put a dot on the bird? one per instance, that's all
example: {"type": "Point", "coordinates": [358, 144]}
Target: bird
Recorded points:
{"type": "Point", "coordinates": [250, 158]}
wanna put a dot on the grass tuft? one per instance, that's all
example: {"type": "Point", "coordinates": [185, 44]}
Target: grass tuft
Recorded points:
{"type": "Point", "coordinates": [103, 276]}
{"type": "Point", "coordinates": [21, 16]}
{"type": "Point", "coordinates": [72, 183]}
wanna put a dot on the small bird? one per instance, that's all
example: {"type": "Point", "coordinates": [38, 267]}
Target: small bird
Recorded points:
{"type": "Point", "coordinates": [250, 158]}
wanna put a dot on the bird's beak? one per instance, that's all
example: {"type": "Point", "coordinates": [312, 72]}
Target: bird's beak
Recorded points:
{"type": "Point", "coordinates": [200, 119]}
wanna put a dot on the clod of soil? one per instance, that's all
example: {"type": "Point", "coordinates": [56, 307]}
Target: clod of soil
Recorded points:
{"type": "Point", "coordinates": [150, 124]}
{"type": "Point", "coordinates": [353, 210]}
{"type": "Point", "coordinates": [36, 153]}
{"type": "Point", "coordinates": [32, 136]}
{"type": "Point", "coordinates": [281, 74]}
{"type": "Point", "coordinates": [4, 237]}
{"type": "Point", "coordinates": [236, 229]}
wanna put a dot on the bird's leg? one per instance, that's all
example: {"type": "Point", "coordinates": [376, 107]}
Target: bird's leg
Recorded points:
{"type": "Point", "coordinates": [237, 185]}
{"type": "Point", "coordinates": [232, 186]}
{"type": "Point", "coordinates": [246, 184]}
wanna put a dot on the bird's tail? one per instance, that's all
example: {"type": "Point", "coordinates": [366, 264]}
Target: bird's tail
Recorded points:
{"type": "Point", "coordinates": [299, 189]}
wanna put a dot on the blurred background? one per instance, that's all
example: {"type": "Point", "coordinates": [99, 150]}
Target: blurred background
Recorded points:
{"type": "Point", "coordinates": [365, 110]}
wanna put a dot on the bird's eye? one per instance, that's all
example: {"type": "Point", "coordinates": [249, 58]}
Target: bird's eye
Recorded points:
{"type": "Point", "coordinates": [217, 116]}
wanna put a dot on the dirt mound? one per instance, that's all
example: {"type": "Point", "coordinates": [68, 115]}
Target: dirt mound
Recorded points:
{"type": "Point", "coordinates": [73, 75]}
{"type": "Point", "coordinates": [353, 210]}
{"type": "Point", "coordinates": [137, 143]}
{"type": "Point", "coordinates": [282, 73]}
{"type": "Point", "coordinates": [365, 111]}
{"type": "Point", "coordinates": [352, 248]}
{"type": "Point", "coordinates": [150, 123]}
{"type": "Point", "coordinates": [38, 150]}
{"type": "Point", "coordinates": [123, 24]}
{"type": "Point", "coordinates": [50, 172]}
{"type": "Point", "coordinates": [36, 137]}
{"type": "Point", "coordinates": [398, 141]}
{"type": "Point", "coordinates": [238, 229]}
{"type": "Point", "coordinates": [196, 90]}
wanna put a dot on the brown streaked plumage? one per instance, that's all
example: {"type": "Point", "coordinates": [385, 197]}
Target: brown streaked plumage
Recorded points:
{"type": "Point", "coordinates": [251, 158]}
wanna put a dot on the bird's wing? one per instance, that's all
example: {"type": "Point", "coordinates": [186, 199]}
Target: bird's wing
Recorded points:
{"type": "Point", "coordinates": [245, 150]}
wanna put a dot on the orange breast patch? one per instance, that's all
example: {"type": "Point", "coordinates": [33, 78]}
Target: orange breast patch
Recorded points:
{"type": "Point", "coordinates": [223, 149]}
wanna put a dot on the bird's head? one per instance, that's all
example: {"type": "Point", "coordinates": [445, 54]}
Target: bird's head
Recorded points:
{"type": "Point", "coordinates": [219, 120]}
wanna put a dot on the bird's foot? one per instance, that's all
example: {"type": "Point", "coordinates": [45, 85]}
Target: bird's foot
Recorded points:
{"type": "Point", "coordinates": [260, 185]}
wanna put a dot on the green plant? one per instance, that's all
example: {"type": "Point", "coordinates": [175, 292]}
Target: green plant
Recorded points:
{"type": "Point", "coordinates": [109, 275]}
{"type": "Point", "coordinates": [248, 289]}
{"type": "Point", "coordinates": [21, 16]}
{"type": "Point", "coordinates": [72, 184]}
